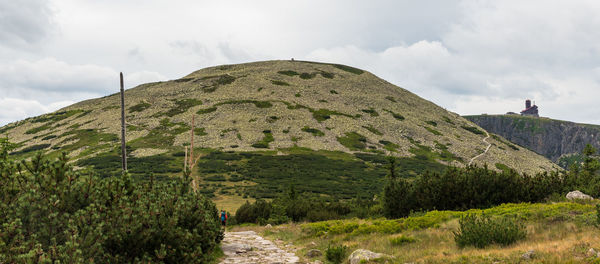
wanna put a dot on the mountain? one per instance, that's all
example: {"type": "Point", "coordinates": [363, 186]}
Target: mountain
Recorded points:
{"type": "Point", "coordinates": [261, 127]}
{"type": "Point", "coordinates": [559, 141]}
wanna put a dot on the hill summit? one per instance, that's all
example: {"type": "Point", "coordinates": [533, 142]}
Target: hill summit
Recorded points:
{"type": "Point", "coordinates": [272, 108]}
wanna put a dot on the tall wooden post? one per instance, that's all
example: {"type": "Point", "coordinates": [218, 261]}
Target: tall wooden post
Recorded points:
{"type": "Point", "coordinates": [191, 164]}
{"type": "Point", "coordinates": [123, 150]}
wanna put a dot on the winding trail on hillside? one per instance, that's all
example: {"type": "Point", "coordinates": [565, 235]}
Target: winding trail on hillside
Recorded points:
{"type": "Point", "coordinates": [248, 247]}
{"type": "Point", "coordinates": [486, 149]}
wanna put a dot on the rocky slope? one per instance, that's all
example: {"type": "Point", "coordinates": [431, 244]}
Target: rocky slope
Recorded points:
{"type": "Point", "coordinates": [552, 138]}
{"type": "Point", "coordinates": [289, 114]}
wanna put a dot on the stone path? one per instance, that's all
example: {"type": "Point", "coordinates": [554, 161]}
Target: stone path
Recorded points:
{"type": "Point", "coordinates": [486, 149]}
{"type": "Point", "coordinates": [248, 247]}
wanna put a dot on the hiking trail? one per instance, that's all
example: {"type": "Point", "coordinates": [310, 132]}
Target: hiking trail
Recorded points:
{"type": "Point", "coordinates": [486, 149]}
{"type": "Point", "coordinates": [248, 247]}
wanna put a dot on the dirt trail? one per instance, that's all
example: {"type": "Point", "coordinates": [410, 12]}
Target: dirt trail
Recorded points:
{"type": "Point", "coordinates": [486, 149]}
{"type": "Point", "coordinates": [248, 247]}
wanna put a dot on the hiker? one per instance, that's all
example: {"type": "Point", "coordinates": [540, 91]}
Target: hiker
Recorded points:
{"type": "Point", "coordinates": [223, 218]}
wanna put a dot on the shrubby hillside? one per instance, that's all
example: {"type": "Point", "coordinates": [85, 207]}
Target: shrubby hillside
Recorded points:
{"type": "Point", "coordinates": [262, 126]}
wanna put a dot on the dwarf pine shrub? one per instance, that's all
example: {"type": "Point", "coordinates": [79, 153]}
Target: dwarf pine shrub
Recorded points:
{"type": "Point", "coordinates": [482, 231]}
{"type": "Point", "coordinates": [51, 213]}
{"type": "Point", "coordinates": [336, 254]}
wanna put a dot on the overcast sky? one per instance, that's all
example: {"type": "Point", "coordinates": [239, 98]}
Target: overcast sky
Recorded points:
{"type": "Point", "coordinates": [470, 56]}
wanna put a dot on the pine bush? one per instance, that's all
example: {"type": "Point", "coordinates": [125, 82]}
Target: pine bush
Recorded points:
{"type": "Point", "coordinates": [51, 213]}
{"type": "Point", "coordinates": [482, 231]}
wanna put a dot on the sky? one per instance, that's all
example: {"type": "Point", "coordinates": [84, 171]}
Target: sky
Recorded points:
{"type": "Point", "coordinates": [468, 56]}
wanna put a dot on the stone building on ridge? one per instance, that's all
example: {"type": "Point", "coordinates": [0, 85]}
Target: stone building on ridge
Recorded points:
{"type": "Point", "coordinates": [530, 110]}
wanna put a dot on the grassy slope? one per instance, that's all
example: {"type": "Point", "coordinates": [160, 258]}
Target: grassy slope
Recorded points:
{"type": "Point", "coordinates": [272, 107]}
{"type": "Point", "coordinates": [558, 232]}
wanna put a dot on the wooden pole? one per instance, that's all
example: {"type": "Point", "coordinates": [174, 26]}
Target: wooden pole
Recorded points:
{"type": "Point", "coordinates": [123, 150]}
{"type": "Point", "coordinates": [191, 165]}
{"type": "Point", "coordinates": [185, 161]}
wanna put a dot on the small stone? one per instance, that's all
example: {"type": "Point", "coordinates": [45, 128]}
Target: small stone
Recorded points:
{"type": "Point", "coordinates": [592, 253]}
{"type": "Point", "coordinates": [312, 243]}
{"type": "Point", "coordinates": [268, 226]}
{"type": "Point", "coordinates": [314, 253]}
{"type": "Point", "coordinates": [528, 255]}
{"type": "Point", "coordinates": [317, 262]}
{"type": "Point", "coordinates": [577, 195]}
{"type": "Point", "coordinates": [362, 254]}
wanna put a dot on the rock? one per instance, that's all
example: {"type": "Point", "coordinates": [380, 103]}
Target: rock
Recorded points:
{"type": "Point", "coordinates": [591, 253]}
{"type": "Point", "coordinates": [314, 253]}
{"type": "Point", "coordinates": [362, 254]}
{"type": "Point", "coordinates": [268, 226]}
{"type": "Point", "coordinates": [528, 255]}
{"type": "Point", "coordinates": [578, 195]}
{"type": "Point", "coordinates": [236, 247]}
{"type": "Point", "coordinates": [317, 262]}
{"type": "Point", "coordinates": [313, 243]}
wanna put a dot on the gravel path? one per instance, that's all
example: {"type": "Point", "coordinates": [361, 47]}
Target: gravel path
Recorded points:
{"type": "Point", "coordinates": [486, 149]}
{"type": "Point", "coordinates": [248, 247]}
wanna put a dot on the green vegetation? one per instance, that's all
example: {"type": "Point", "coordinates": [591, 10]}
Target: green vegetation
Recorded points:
{"type": "Point", "coordinates": [264, 143]}
{"type": "Point", "coordinates": [280, 83]}
{"type": "Point", "coordinates": [353, 141]}
{"type": "Point", "coordinates": [370, 111]}
{"type": "Point", "coordinates": [330, 174]}
{"type": "Point", "coordinates": [503, 167]}
{"type": "Point", "coordinates": [31, 149]}
{"type": "Point", "coordinates": [433, 123]}
{"type": "Point", "coordinates": [391, 99]}
{"type": "Point", "coordinates": [395, 115]}
{"type": "Point", "coordinates": [161, 136]}
{"type": "Point", "coordinates": [216, 81]}
{"type": "Point", "coordinates": [58, 116]}
{"type": "Point", "coordinates": [200, 131]}
{"type": "Point", "coordinates": [348, 69]}
{"type": "Point", "coordinates": [259, 104]}
{"type": "Point", "coordinates": [401, 240]}
{"type": "Point", "coordinates": [139, 107]}
{"type": "Point", "coordinates": [53, 214]}
{"type": "Point", "coordinates": [109, 164]}
{"type": "Point", "coordinates": [206, 111]}
{"type": "Point", "coordinates": [288, 73]}
{"type": "Point", "coordinates": [307, 76]}
{"type": "Point", "coordinates": [448, 120]}
{"type": "Point", "coordinates": [324, 114]}
{"type": "Point", "coordinates": [473, 130]}
{"type": "Point", "coordinates": [181, 106]}
{"type": "Point", "coordinates": [49, 137]}
{"type": "Point", "coordinates": [36, 130]}
{"type": "Point", "coordinates": [315, 132]}
{"type": "Point", "coordinates": [336, 254]}
{"type": "Point", "coordinates": [373, 130]}
{"type": "Point", "coordinates": [482, 231]}
{"type": "Point", "coordinates": [389, 145]}
{"type": "Point", "coordinates": [433, 131]}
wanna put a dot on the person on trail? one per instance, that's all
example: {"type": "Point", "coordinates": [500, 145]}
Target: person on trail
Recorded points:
{"type": "Point", "coordinates": [223, 218]}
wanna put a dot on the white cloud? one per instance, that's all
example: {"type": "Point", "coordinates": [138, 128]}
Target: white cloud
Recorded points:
{"type": "Point", "coordinates": [25, 22]}
{"type": "Point", "coordinates": [470, 56]}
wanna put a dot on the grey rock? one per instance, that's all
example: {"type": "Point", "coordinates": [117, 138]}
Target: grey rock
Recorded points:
{"type": "Point", "coordinates": [362, 254]}
{"type": "Point", "coordinates": [236, 247]}
{"type": "Point", "coordinates": [577, 195]}
{"type": "Point", "coordinates": [268, 226]}
{"type": "Point", "coordinates": [591, 253]}
{"type": "Point", "coordinates": [314, 253]}
{"type": "Point", "coordinates": [528, 255]}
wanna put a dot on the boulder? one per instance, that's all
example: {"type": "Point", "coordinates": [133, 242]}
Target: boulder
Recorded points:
{"type": "Point", "coordinates": [236, 248]}
{"type": "Point", "coordinates": [578, 195]}
{"type": "Point", "coordinates": [314, 253]}
{"type": "Point", "coordinates": [362, 254]}
{"type": "Point", "coordinates": [268, 226]}
{"type": "Point", "coordinates": [528, 255]}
